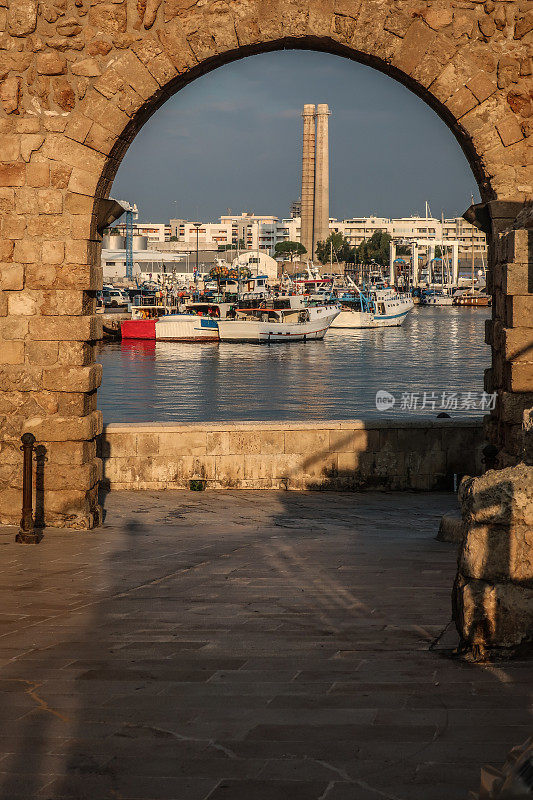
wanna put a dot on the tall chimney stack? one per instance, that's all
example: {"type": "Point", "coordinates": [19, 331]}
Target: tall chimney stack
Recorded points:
{"type": "Point", "coordinates": [321, 210]}
{"type": "Point", "coordinates": [308, 179]}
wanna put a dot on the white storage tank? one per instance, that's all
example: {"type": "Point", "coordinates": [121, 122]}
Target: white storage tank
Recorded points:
{"type": "Point", "coordinates": [114, 242]}
{"type": "Point", "coordinates": [140, 242]}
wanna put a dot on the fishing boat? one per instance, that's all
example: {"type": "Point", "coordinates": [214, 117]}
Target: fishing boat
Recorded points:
{"type": "Point", "coordinates": [198, 323]}
{"type": "Point", "coordinates": [373, 308]}
{"type": "Point", "coordinates": [436, 298]}
{"type": "Point", "coordinates": [473, 298]}
{"type": "Point", "coordinates": [285, 319]}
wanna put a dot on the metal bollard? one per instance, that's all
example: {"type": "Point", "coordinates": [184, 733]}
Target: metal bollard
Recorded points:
{"type": "Point", "coordinates": [27, 533]}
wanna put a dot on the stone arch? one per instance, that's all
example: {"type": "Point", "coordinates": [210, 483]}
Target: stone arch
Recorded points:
{"type": "Point", "coordinates": [78, 78]}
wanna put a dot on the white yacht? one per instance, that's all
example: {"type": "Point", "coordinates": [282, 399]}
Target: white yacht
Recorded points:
{"type": "Point", "coordinates": [284, 319]}
{"type": "Point", "coordinates": [373, 308]}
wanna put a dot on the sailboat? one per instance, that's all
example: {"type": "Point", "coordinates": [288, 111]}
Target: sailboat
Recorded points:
{"type": "Point", "coordinates": [472, 297]}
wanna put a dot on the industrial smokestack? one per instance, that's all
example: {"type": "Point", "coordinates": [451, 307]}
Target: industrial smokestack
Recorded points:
{"type": "Point", "coordinates": [321, 204]}
{"type": "Point", "coordinates": [308, 178]}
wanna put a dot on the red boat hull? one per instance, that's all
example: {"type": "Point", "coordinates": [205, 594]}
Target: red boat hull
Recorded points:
{"type": "Point", "coordinates": [138, 329]}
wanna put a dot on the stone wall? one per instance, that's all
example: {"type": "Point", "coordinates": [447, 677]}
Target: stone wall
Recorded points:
{"type": "Point", "coordinates": [281, 455]}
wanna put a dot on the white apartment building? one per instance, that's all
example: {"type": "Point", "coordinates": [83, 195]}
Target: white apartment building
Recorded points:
{"type": "Point", "coordinates": [358, 229]}
{"type": "Point", "coordinates": [261, 232]}
{"type": "Point", "coordinates": [211, 235]}
{"type": "Point", "coordinates": [154, 231]}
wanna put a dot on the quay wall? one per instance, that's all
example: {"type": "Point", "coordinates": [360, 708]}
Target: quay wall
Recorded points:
{"type": "Point", "coordinates": [321, 455]}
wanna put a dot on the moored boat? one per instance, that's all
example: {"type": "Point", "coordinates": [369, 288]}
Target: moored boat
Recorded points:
{"type": "Point", "coordinates": [375, 308]}
{"type": "Point", "coordinates": [286, 319]}
{"type": "Point", "coordinates": [474, 299]}
{"type": "Point", "coordinates": [198, 323]}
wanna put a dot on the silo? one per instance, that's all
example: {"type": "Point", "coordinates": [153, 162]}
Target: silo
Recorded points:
{"type": "Point", "coordinates": [140, 242]}
{"type": "Point", "coordinates": [114, 242]}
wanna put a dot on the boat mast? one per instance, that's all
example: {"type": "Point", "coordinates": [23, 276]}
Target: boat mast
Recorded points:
{"type": "Point", "coordinates": [472, 251]}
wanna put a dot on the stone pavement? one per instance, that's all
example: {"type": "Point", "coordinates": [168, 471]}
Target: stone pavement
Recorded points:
{"type": "Point", "coordinates": [245, 646]}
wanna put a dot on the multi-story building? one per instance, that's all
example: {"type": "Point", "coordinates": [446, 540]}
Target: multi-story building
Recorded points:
{"type": "Point", "coordinates": [261, 232]}
{"type": "Point", "coordinates": [211, 235]}
{"type": "Point", "coordinates": [154, 231]}
{"type": "Point", "coordinates": [356, 230]}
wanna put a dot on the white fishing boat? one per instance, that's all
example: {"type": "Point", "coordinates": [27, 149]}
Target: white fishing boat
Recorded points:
{"type": "Point", "coordinates": [285, 319]}
{"type": "Point", "coordinates": [373, 308]}
{"type": "Point", "coordinates": [198, 323]}
{"type": "Point", "coordinates": [436, 298]}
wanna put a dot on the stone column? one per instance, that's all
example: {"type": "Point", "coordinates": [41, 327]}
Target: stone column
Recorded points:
{"type": "Point", "coordinates": [493, 594]}
{"type": "Point", "coordinates": [308, 178]}
{"type": "Point", "coordinates": [49, 272]}
{"type": "Point", "coordinates": [321, 217]}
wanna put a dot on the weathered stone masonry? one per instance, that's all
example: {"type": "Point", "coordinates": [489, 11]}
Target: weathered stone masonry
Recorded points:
{"type": "Point", "coordinates": [78, 78]}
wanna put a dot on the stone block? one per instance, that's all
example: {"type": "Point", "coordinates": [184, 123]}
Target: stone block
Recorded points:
{"type": "Point", "coordinates": [82, 181]}
{"type": "Point", "coordinates": [27, 252]}
{"type": "Point", "coordinates": [42, 354]}
{"type": "Point", "coordinates": [71, 404]}
{"type": "Point", "coordinates": [229, 469]}
{"type": "Point", "coordinates": [147, 444]}
{"type": "Point", "coordinates": [451, 528]}
{"type": "Point", "coordinates": [12, 352]}
{"type": "Point", "coordinates": [72, 453]}
{"type": "Point", "coordinates": [53, 252]}
{"type": "Point", "coordinates": [136, 75]}
{"type": "Point", "coordinates": [118, 445]}
{"type": "Point", "coordinates": [37, 174]}
{"type": "Point", "coordinates": [348, 462]}
{"type": "Point", "coordinates": [10, 505]}
{"type": "Point", "coordinates": [345, 440]}
{"type": "Point", "coordinates": [13, 226]}
{"type": "Point", "coordinates": [55, 428]}
{"type": "Point", "coordinates": [76, 354]}
{"type": "Point", "coordinates": [307, 442]}
{"type": "Point", "coordinates": [499, 497]}
{"type": "Point", "coordinates": [217, 443]}
{"type": "Point", "coordinates": [461, 102]}
{"type": "Point", "coordinates": [66, 328]}
{"type": "Point", "coordinates": [253, 441]}
{"type": "Point", "coordinates": [513, 406]}
{"type": "Point", "coordinates": [9, 147]}
{"type": "Point", "coordinates": [50, 201]}
{"type": "Point", "coordinates": [11, 276]}
{"type": "Point", "coordinates": [24, 303]}
{"type": "Point", "coordinates": [519, 311]}
{"type": "Point", "coordinates": [182, 443]}
{"type": "Point", "coordinates": [73, 379]}
{"type": "Point", "coordinates": [14, 327]}
{"type": "Point", "coordinates": [498, 553]}
{"type": "Point", "coordinates": [40, 276]}
{"type": "Point", "coordinates": [492, 615]}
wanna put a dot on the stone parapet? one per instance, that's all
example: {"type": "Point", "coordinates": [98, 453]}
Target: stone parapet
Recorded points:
{"type": "Point", "coordinates": [321, 455]}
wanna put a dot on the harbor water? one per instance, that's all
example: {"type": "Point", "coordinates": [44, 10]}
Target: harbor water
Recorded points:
{"type": "Point", "coordinates": [433, 363]}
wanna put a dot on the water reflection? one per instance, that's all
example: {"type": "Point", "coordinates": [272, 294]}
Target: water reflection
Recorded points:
{"type": "Point", "coordinates": [437, 349]}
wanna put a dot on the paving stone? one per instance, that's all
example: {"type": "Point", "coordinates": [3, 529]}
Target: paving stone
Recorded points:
{"type": "Point", "coordinates": [286, 656]}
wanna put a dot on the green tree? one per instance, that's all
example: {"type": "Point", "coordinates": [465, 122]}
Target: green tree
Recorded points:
{"type": "Point", "coordinates": [173, 239]}
{"type": "Point", "coordinates": [290, 249]}
{"type": "Point", "coordinates": [438, 251]}
{"type": "Point", "coordinates": [374, 249]}
{"type": "Point", "coordinates": [336, 247]}
{"type": "Point", "coordinates": [403, 250]}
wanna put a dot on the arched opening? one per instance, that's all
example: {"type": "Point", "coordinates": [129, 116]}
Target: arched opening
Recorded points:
{"type": "Point", "coordinates": [369, 355]}
{"type": "Point", "coordinates": [149, 108]}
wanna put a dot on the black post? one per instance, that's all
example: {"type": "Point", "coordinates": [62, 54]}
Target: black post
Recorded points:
{"type": "Point", "coordinates": [27, 533]}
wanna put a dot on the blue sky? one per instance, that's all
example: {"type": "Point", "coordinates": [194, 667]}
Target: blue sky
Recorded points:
{"type": "Point", "coordinates": [232, 139]}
